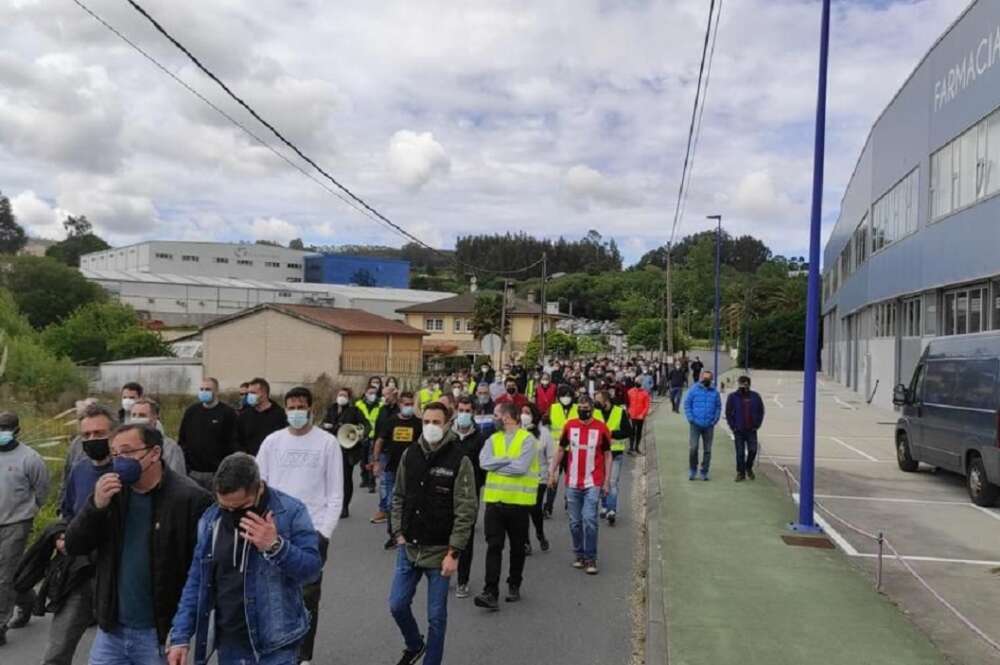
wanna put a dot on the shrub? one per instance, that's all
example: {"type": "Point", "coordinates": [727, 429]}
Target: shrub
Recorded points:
{"type": "Point", "coordinates": [776, 341]}
{"type": "Point", "coordinates": [45, 290]}
{"type": "Point", "coordinates": [35, 371]}
{"type": "Point", "coordinates": [103, 331]}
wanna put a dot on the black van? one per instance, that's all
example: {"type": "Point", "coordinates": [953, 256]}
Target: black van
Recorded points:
{"type": "Point", "coordinates": [951, 412]}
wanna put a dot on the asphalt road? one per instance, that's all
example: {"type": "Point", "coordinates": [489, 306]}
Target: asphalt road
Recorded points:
{"type": "Point", "coordinates": [565, 616]}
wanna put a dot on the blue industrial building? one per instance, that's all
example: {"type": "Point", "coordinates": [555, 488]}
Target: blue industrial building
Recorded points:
{"type": "Point", "coordinates": [915, 252]}
{"type": "Point", "coordinates": [359, 270]}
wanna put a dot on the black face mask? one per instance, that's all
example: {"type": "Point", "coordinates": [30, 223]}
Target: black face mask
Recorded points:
{"type": "Point", "coordinates": [232, 518]}
{"type": "Point", "coordinates": [707, 383]}
{"type": "Point", "coordinates": [585, 414]}
{"type": "Point", "coordinates": [744, 389]}
{"type": "Point", "coordinates": [97, 449]}
{"type": "Point", "coordinates": [511, 390]}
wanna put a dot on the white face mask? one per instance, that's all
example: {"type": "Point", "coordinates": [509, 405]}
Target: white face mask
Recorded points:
{"type": "Point", "coordinates": [457, 392]}
{"type": "Point", "coordinates": [342, 400]}
{"type": "Point", "coordinates": [526, 420]}
{"type": "Point", "coordinates": [138, 421]}
{"type": "Point", "coordinates": [433, 433]}
{"type": "Point", "coordinates": [566, 400]}
{"type": "Point", "coordinates": [127, 404]}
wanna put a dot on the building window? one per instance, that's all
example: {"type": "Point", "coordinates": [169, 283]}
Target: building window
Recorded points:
{"type": "Point", "coordinates": [965, 310]}
{"type": "Point", "coordinates": [967, 169]}
{"type": "Point", "coordinates": [860, 241]}
{"type": "Point", "coordinates": [272, 264]}
{"type": "Point", "coordinates": [884, 320]}
{"type": "Point", "coordinates": [912, 314]}
{"type": "Point", "coordinates": [293, 279]}
{"type": "Point", "coordinates": [458, 325]}
{"type": "Point", "coordinates": [284, 294]}
{"type": "Point", "coordinates": [293, 266]}
{"type": "Point", "coordinates": [434, 325]}
{"type": "Point", "coordinates": [189, 258]}
{"type": "Point", "coordinates": [468, 326]}
{"type": "Point", "coordinates": [164, 256]}
{"type": "Point", "coordinates": [221, 259]}
{"type": "Point", "coordinates": [894, 216]}
{"type": "Point", "coordinates": [244, 262]}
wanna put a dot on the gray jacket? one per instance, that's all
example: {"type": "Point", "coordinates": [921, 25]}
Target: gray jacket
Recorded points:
{"type": "Point", "coordinates": [24, 484]}
{"type": "Point", "coordinates": [505, 465]}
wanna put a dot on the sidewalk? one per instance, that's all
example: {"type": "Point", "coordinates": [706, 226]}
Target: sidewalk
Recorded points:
{"type": "Point", "coordinates": [734, 592]}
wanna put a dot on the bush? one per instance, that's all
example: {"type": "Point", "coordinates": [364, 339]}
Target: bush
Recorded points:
{"type": "Point", "coordinates": [776, 341]}
{"type": "Point", "coordinates": [99, 332]}
{"type": "Point", "coordinates": [558, 344]}
{"type": "Point", "coordinates": [35, 371]}
{"type": "Point", "coordinates": [45, 290]}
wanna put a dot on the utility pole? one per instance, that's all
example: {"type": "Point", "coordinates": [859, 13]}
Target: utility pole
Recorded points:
{"type": "Point", "coordinates": [670, 306]}
{"type": "Point", "coordinates": [541, 322]}
{"type": "Point", "coordinates": [503, 322]}
{"type": "Point", "coordinates": [718, 262]}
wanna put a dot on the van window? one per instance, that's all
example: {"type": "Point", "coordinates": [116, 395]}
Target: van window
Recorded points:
{"type": "Point", "coordinates": [977, 384]}
{"type": "Point", "coordinates": [917, 385]}
{"type": "Point", "coordinates": [940, 384]}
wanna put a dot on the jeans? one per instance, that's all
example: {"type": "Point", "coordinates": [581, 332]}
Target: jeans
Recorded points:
{"type": "Point", "coordinates": [310, 596]}
{"type": "Point", "coordinates": [242, 654]}
{"type": "Point", "coordinates": [675, 398]}
{"type": "Point", "coordinates": [13, 540]}
{"type": "Point", "coordinates": [583, 521]}
{"type": "Point", "coordinates": [746, 450]}
{"type": "Point", "coordinates": [636, 437]}
{"type": "Point", "coordinates": [537, 518]}
{"type": "Point", "coordinates": [69, 624]}
{"type": "Point", "coordinates": [127, 646]}
{"type": "Point", "coordinates": [505, 522]}
{"type": "Point", "coordinates": [610, 502]}
{"type": "Point", "coordinates": [705, 435]}
{"type": "Point", "coordinates": [386, 485]}
{"type": "Point", "coordinates": [404, 586]}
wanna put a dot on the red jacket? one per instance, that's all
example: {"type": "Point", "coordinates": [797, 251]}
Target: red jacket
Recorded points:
{"type": "Point", "coordinates": [519, 400]}
{"type": "Point", "coordinates": [638, 403]}
{"type": "Point", "coordinates": [545, 397]}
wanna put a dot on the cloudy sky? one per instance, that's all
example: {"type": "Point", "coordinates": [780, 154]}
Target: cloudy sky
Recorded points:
{"type": "Point", "coordinates": [551, 117]}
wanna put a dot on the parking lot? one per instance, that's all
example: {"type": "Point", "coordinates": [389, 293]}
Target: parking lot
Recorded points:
{"type": "Point", "coordinates": [950, 542]}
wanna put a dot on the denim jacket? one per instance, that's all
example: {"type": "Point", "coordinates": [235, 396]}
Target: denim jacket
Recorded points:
{"type": "Point", "coordinates": [272, 586]}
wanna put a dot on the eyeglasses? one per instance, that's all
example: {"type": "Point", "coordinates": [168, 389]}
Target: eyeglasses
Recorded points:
{"type": "Point", "coordinates": [126, 453]}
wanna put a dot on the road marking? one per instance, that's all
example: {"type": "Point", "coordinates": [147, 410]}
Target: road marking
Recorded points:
{"type": "Point", "coordinates": [843, 403]}
{"type": "Point", "coordinates": [985, 511]}
{"type": "Point", "coordinates": [830, 531]}
{"type": "Point", "coordinates": [832, 460]}
{"type": "Point", "coordinates": [932, 559]}
{"type": "Point", "coordinates": [781, 380]}
{"type": "Point", "coordinates": [780, 405]}
{"type": "Point", "coordinates": [895, 500]}
{"type": "Point", "coordinates": [850, 447]}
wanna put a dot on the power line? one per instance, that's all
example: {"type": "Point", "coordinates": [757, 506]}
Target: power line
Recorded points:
{"type": "Point", "coordinates": [347, 196]}
{"type": "Point", "coordinates": [701, 115]}
{"type": "Point", "coordinates": [694, 116]}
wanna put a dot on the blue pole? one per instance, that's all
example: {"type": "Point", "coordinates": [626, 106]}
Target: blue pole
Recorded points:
{"type": "Point", "coordinates": [807, 466]}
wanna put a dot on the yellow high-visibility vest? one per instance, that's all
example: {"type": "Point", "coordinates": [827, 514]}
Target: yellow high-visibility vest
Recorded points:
{"type": "Point", "coordinates": [614, 423]}
{"type": "Point", "coordinates": [512, 490]}
{"type": "Point", "coordinates": [426, 396]}
{"type": "Point", "coordinates": [472, 386]}
{"type": "Point", "coordinates": [558, 417]}
{"type": "Point", "coordinates": [370, 415]}
{"type": "Point", "coordinates": [530, 392]}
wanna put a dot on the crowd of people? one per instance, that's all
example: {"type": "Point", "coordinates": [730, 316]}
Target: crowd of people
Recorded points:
{"type": "Point", "coordinates": [216, 542]}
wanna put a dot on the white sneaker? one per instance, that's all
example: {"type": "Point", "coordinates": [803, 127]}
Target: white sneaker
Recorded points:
{"type": "Point", "coordinates": [306, 662]}
{"type": "Point", "coordinates": [462, 591]}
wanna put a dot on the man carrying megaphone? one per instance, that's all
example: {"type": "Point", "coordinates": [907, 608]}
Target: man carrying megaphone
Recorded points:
{"type": "Point", "coordinates": [343, 412]}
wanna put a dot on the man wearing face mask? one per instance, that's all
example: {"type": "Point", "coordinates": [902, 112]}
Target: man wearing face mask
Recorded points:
{"type": "Point", "coordinates": [620, 426]}
{"type": "Point", "coordinates": [142, 520]}
{"type": "Point", "coordinates": [208, 433]}
{"type": "Point", "coordinates": [511, 395]}
{"type": "Point", "coordinates": [259, 420]}
{"type": "Point", "coordinates": [676, 379]}
{"type": "Point", "coordinates": [147, 412]}
{"type": "Point", "coordinates": [545, 394]}
{"type": "Point", "coordinates": [434, 508]}
{"type": "Point", "coordinates": [370, 408]}
{"type": "Point", "coordinates": [702, 406]}
{"type": "Point", "coordinates": [242, 404]}
{"type": "Point", "coordinates": [431, 392]}
{"type": "Point", "coordinates": [745, 415]}
{"type": "Point", "coordinates": [510, 459]}
{"type": "Point", "coordinates": [305, 462]}
{"type": "Point", "coordinates": [561, 412]}
{"type": "Point", "coordinates": [397, 433]}
{"type": "Point", "coordinates": [471, 439]}
{"type": "Point", "coordinates": [24, 486]}
{"type": "Point", "coordinates": [341, 413]}
{"type": "Point", "coordinates": [254, 534]}
{"type": "Point", "coordinates": [131, 393]}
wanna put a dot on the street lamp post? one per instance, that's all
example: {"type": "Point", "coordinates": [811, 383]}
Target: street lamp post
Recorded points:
{"type": "Point", "coordinates": [807, 465]}
{"type": "Point", "coordinates": [718, 261]}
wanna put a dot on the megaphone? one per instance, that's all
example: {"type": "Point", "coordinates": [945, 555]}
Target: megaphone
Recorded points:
{"type": "Point", "coordinates": [350, 435]}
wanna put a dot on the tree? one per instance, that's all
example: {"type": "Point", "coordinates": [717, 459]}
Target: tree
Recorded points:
{"type": "Point", "coordinates": [296, 243]}
{"type": "Point", "coordinates": [103, 331]}
{"type": "Point", "coordinates": [12, 235]}
{"type": "Point", "coordinates": [558, 344]}
{"type": "Point", "coordinates": [80, 240]}
{"type": "Point", "coordinates": [77, 226]}
{"type": "Point", "coordinates": [487, 314]}
{"type": "Point", "coordinates": [363, 277]}
{"type": "Point", "coordinates": [45, 290]}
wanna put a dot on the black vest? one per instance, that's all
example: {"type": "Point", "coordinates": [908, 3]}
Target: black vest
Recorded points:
{"type": "Point", "coordinates": [429, 504]}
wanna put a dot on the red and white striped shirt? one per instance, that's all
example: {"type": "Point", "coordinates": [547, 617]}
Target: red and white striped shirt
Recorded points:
{"type": "Point", "coordinates": [586, 445]}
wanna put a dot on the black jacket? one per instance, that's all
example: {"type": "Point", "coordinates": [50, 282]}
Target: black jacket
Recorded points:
{"type": "Point", "coordinates": [337, 415]}
{"type": "Point", "coordinates": [178, 503]}
{"type": "Point", "coordinates": [253, 426]}
{"type": "Point", "coordinates": [61, 574]}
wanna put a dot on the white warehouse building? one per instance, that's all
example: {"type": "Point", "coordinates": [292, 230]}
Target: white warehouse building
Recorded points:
{"type": "Point", "coordinates": [193, 300]}
{"type": "Point", "coordinates": [266, 263]}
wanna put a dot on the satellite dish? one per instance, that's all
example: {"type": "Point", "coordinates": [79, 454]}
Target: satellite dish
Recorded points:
{"type": "Point", "coordinates": [491, 344]}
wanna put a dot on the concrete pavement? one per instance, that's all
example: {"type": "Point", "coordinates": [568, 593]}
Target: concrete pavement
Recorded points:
{"type": "Point", "coordinates": [565, 616]}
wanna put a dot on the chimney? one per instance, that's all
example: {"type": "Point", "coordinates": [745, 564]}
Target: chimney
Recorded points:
{"type": "Point", "coordinates": [531, 296]}
{"type": "Point", "coordinates": [473, 284]}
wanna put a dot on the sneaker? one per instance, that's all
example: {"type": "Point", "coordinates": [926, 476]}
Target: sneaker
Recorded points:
{"type": "Point", "coordinates": [604, 513]}
{"type": "Point", "coordinates": [513, 594]}
{"type": "Point", "coordinates": [19, 619]}
{"type": "Point", "coordinates": [487, 601]}
{"type": "Point", "coordinates": [751, 475]}
{"type": "Point", "coordinates": [704, 475]}
{"type": "Point", "coordinates": [3, 637]}
{"type": "Point", "coordinates": [692, 474]}
{"type": "Point", "coordinates": [379, 518]}
{"type": "Point", "coordinates": [344, 513]}
{"type": "Point", "coordinates": [579, 564]}
{"type": "Point", "coordinates": [527, 549]}
{"type": "Point", "coordinates": [543, 543]}
{"type": "Point", "coordinates": [462, 591]}
{"type": "Point", "coordinates": [411, 657]}
{"type": "Point", "coordinates": [371, 489]}
{"type": "Point", "coordinates": [547, 514]}
{"type": "Point", "coordinates": [740, 478]}
{"type": "Point", "coordinates": [591, 567]}
{"type": "Point", "coordinates": [612, 515]}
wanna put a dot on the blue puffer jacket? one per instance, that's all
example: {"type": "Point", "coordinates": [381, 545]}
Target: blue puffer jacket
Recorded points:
{"type": "Point", "coordinates": [703, 406]}
{"type": "Point", "coordinates": [272, 587]}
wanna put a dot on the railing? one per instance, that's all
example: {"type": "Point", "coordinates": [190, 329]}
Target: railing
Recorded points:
{"type": "Point", "coordinates": [372, 362]}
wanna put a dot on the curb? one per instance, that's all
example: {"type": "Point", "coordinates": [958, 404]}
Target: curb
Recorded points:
{"type": "Point", "coordinates": [657, 649]}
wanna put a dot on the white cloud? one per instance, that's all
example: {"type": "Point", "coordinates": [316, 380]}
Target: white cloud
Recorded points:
{"type": "Point", "coordinates": [759, 199]}
{"type": "Point", "coordinates": [416, 158]}
{"type": "Point", "coordinates": [274, 229]}
{"type": "Point", "coordinates": [587, 186]}
{"type": "Point", "coordinates": [38, 217]}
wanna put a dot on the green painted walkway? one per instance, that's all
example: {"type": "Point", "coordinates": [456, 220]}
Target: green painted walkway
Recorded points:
{"type": "Point", "coordinates": [736, 593]}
